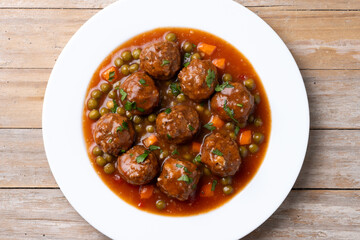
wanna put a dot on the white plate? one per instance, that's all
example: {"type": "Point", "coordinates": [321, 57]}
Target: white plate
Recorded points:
{"type": "Point", "coordinates": [64, 99]}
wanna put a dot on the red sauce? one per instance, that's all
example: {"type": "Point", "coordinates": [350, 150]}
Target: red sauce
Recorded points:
{"type": "Point", "coordinates": [240, 69]}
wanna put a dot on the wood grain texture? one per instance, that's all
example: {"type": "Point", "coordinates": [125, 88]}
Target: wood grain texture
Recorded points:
{"type": "Point", "coordinates": [34, 214]}
{"type": "Point", "coordinates": [317, 39]}
{"type": "Point", "coordinates": [283, 4]}
{"type": "Point", "coordinates": [331, 161]}
{"type": "Point", "coordinates": [333, 97]}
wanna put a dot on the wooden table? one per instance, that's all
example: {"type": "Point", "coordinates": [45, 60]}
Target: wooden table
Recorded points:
{"type": "Point", "coordinates": [323, 36]}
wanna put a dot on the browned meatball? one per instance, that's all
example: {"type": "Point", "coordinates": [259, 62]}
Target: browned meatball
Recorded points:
{"type": "Point", "coordinates": [138, 166]}
{"type": "Point", "coordinates": [114, 133]}
{"type": "Point", "coordinates": [179, 125]}
{"type": "Point", "coordinates": [140, 93]}
{"type": "Point", "coordinates": [161, 60]}
{"type": "Point", "coordinates": [198, 80]}
{"type": "Point", "coordinates": [220, 154]}
{"type": "Point", "coordinates": [237, 100]}
{"type": "Point", "coordinates": [178, 179]}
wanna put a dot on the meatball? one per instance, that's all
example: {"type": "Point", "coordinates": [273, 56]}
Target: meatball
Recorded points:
{"type": "Point", "coordinates": [198, 80]}
{"type": "Point", "coordinates": [138, 166]}
{"type": "Point", "coordinates": [220, 154]}
{"type": "Point", "coordinates": [236, 99]}
{"type": "Point", "coordinates": [140, 93]}
{"type": "Point", "coordinates": [114, 133]}
{"type": "Point", "coordinates": [161, 60]}
{"type": "Point", "coordinates": [178, 179]}
{"type": "Point", "coordinates": [179, 125]}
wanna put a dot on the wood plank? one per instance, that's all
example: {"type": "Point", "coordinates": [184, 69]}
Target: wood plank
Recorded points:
{"type": "Point", "coordinates": [284, 4]}
{"type": "Point", "coordinates": [331, 161]}
{"type": "Point", "coordinates": [34, 214]}
{"type": "Point", "coordinates": [333, 97]}
{"type": "Point", "coordinates": [317, 39]}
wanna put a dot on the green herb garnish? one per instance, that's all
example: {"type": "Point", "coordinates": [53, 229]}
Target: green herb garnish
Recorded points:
{"type": "Point", "coordinates": [110, 140]}
{"type": "Point", "coordinates": [141, 158]}
{"type": "Point", "coordinates": [181, 166]}
{"type": "Point", "coordinates": [113, 110]}
{"type": "Point", "coordinates": [130, 106]}
{"type": "Point", "coordinates": [237, 129]}
{"type": "Point", "coordinates": [142, 82]}
{"type": "Point", "coordinates": [123, 94]}
{"type": "Point", "coordinates": [197, 159]}
{"type": "Point", "coordinates": [175, 89]}
{"type": "Point", "coordinates": [185, 178]}
{"type": "Point", "coordinates": [122, 127]}
{"type": "Point", "coordinates": [221, 87]}
{"type": "Point", "coordinates": [217, 152]}
{"type": "Point", "coordinates": [140, 109]}
{"type": "Point", "coordinates": [210, 78]}
{"type": "Point", "coordinates": [175, 152]}
{"type": "Point", "coordinates": [153, 147]}
{"type": "Point", "coordinates": [165, 62]}
{"type": "Point", "coordinates": [191, 128]}
{"type": "Point", "coordinates": [186, 64]}
{"type": "Point", "coordinates": [229, 112]}
{"type": "Point", "coordinates": [167, 111]}
{"type": "Point", "coordinates": [239, 105]}
{"type": "Point", "coordinates": [111, 76]}
{"type": "Point", "coordinates": [213, 185]}
{"type": "Point", "coordinates": [168, 136]}
{"type": "Point", "coordinates": [209, 126]}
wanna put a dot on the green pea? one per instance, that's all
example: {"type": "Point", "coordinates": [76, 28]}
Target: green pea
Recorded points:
{"type": "Point", "coordinates": [253, 148]}
{"type": "Point", "coordinates": [160, 204]}
{"type": "Point", "coordinates": [104, 111]}
{"type": "Point", "coordinates": [136, 53]}
{"type": "Point", "coordinates": [97, 151]}
{"type": "Point", "coordinates": [207, 112]}
{"type": "Point", "coordinates": [250, 84]}
{"type": "Point", "coordinates": [226, 180]}
{"type": "Point", "coordinates": [181, 97]}
{"type": "Point", "coordinates": [227, 77]}
{"type": "Point", "coordinates": [150, 129]}
{"type": "Point", "coordinates": [109, 168]}
{"type": "Point", "coordinates": [228, 189]}
{"type": "Point", "coordinates": [133, 67]}
{"type": "Point", "coordinates": [232, 135]}
{"type": "Point", "coordinates": [258, 122]}
{"type": "Point", "coordinates": [138, 128]}
{"type": "Point", "coordinates": [258, 138]}
{"type": "Point", "coordinates": [96, 94]}
{"type": "Point", "coordinates": [105, 87]}
{"type": "Point", "coordinates": [152, 117]}
{"type": "Point", "coordinates": [112, 94]}
{"type": "Point", "coordinates": [94, 114]}
{"type": "Point", "coordinates": [92, 103]}
{"type": "Point", "coordinates": [187, 156]}
{"type": "Point", "coordinates": [126, 56]}
{"type": "Point", "coordinates": [243, 151]}
{"type": "Point", "coordinates": [108, 158]}
{"type": "Point", "coordinates": [164, 154]}
{"type": "Point", "coordinates": [199, 108]}
{"type": "Point", "coordinates": [100, 161]}
{"type": "Point", "coordinates": [118, 62]}
{"type": "Point", "coordinates": [187, 47]}
{"type": "Point", "coordinates": [257, 98]}
{"type": "Point", "coordinates": [229, 126]}
{"type": "Point", "coordinates": [125, 69]}
{"type": "Point", "coordinates": [251, 119]}
{"type": "Point", "coordinates": [137, 119]}
{"type": "Point", "coordinates": [195, 56]}
{"type": "Point", "coordinates": [207, 172]}
{"type": "Point", "coordinates": [171, 37]}
{"type": "Point", "coordinates": [128, 114]}
{"type": "Point", "coordinates": [121, 111]}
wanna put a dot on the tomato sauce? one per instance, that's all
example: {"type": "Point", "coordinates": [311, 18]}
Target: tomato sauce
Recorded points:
{"type": "Point", "coordinates": [240, 69]}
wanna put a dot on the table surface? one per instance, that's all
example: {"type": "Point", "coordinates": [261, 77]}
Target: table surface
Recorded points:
{"type": "Point", "coordinates": [324, 38]}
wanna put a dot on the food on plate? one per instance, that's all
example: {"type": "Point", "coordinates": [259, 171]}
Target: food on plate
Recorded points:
{"type": "Point", "coordinates": [176, 121]}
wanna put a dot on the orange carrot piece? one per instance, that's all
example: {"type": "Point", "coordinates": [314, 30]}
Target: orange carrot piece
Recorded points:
{"type": "Point", "coordinates": [206, 48]}
{"type": "Point", "coordinates": [219, 63]}
{"type": "Point", "coordinates": [196, 147]}
{"type": "Point", "coordinates": [110, 74]}
{"type": "Point", "coordinates": [146, 191]}
{"type": "Point", "coordinates": [217, 122]}
{"type": "Point", "coordinates": [151, 140]}
{"type": "Point", "coordinates": [205, 190]}
{"type": "Point", "coordinates": [245, 137]}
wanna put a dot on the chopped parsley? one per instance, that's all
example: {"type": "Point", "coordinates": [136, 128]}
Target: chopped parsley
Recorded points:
{"type": "Point", "coordinates": [131, 154]}
{"type": "Point", "coordinates": [193, 186]}
{"type": "Point", "coordinates": [186, 64]}
{"type": "Point", "coordinates": [187, 59]}
{"type": "Point", "coordinates": [140, 109]}
{"type": "Point", "coordinates": [111, 76]}
{"type": "Point", "coordinates": [110, 140]}
{"type": "Point", "coordinates": [197, 159]}
{"type": "Point", "coordinates": [122, 151]}
{"type": "Point", "coordinates": [229, 112]}
{"type": "Point", "coordinates": [123, 94]}
{"type": "Point", "coordinates": [210, 78]}
{"type": "Point", "coordinates": [217, 152]}
{"type": "Point", "coordinates": [122, 127]}
{"type": "Point", "coordinates": [153, 147]}
{"type": "Point", "coordinates": [221, 87]}
{"type": "Point", "coordinates": [187, 55]}
{"type": "Point", "coordinates": [142, 82]}
{"type": "Point", "coordinates": [209, 126]}
{"type": "Point", "coordinates": [213, 185]}
{"type": "Point", "coordinates": [141, 158]}
{"type": "Point", "coordinates": [130, 106]}
{"type": "Point", "coordinates": [175, 152]}
{"type": "Point", "coordinates": [185, 178]}
{"type": "Point", "coordinates": [165, 62]}
{"type": "Point", "coordinates": [191, 128]}
{"type": "Point", "coordinates": [175, 89]}
{"type": "Point", "coordinates": [167, 111]}
{"type": "Point", "coordinates": [168, 136]}
{"type": "Point", "coordinates": [237, 129]}
{"type": "Point", "coordinates": [239, 105]}
{"type": "Point", "coordinates": [181, 166]}
{"type": "Point", "coordinates": [194, 46]}
{"type": "Point", "coordinates": [113, 110]}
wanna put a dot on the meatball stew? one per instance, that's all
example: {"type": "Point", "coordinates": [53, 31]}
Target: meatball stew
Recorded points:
{"type": "Point", "coordinates": [176, 121]}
